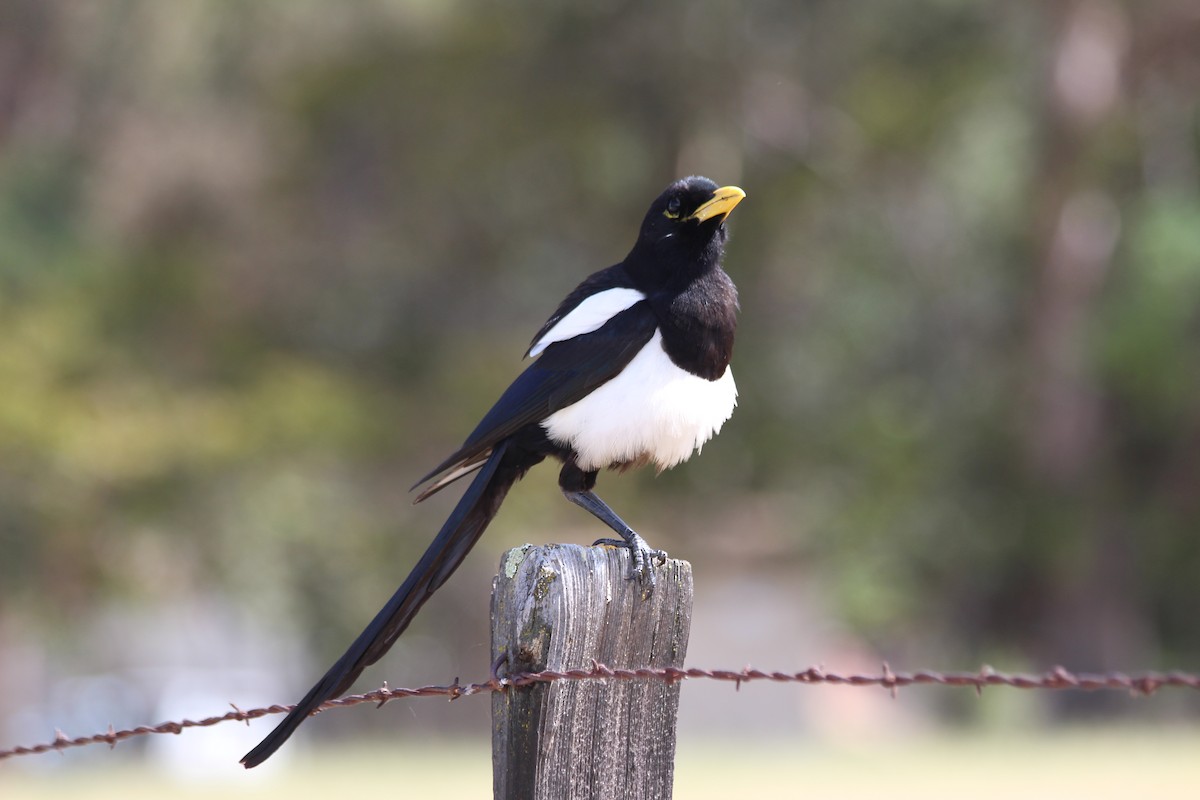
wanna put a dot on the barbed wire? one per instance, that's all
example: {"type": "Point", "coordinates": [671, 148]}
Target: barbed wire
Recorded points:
{"type": "Point", "coordinates": [1059, 678]}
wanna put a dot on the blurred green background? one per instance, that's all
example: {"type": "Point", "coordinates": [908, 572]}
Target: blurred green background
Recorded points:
{"type": "Point", "coordinates": [263, 265]}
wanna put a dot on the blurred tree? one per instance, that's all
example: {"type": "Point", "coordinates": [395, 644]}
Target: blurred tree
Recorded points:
{"type": "Point", "coordinates": [240, 244]}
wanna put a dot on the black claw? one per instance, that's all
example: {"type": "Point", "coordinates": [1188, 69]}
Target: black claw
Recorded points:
{"type": "Point", "coordinates": [642, 554]}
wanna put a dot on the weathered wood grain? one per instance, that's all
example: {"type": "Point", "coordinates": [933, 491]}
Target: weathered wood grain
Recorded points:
{"type": "Point", "coordinates": [559, 607]}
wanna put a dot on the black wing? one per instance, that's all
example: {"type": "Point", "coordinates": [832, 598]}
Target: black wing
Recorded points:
{"type": "Point", "coordinates": [615, 277]}
{"type": "Point", "coordinates": [563, 374]}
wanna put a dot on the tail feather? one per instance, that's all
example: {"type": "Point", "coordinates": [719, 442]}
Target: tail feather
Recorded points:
{"type": "Point", "coordinates": [461, 470]}
{"type": "Point", "coordinates": [456, 538]}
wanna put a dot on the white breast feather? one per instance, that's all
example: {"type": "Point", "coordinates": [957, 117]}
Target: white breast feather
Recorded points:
{"type": "Point", "coordinates": [652, 408]}
{"type": "Point", "coordinates": [588, 316]}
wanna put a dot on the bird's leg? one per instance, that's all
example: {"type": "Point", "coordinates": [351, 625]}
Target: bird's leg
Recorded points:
{"type": "Point", "coordinates": [576, 485]}
{"type": "Point", "coordinates": [642, 553]}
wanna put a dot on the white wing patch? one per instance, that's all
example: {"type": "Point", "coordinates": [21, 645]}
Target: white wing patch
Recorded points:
{"type": "Point", "coordinates": [588, 316]}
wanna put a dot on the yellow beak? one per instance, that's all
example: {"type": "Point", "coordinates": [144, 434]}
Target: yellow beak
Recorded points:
{"type": "Point", "coordinates": [722, 202]}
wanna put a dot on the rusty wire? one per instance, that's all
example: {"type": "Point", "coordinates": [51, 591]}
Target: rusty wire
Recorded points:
{"type": "Point", "coordinates": [1145, 683]}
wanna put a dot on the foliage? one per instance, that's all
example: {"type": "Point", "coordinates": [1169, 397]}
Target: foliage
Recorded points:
{"type": "Point", "coordinates": [261, 265]}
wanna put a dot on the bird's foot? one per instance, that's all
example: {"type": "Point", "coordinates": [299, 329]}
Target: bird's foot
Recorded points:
{"type": "Point", "coordinates": [643, 556]}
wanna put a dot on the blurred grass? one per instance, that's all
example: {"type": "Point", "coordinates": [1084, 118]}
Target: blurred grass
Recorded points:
{"type": "Point", "coordinates": [261, 265]}
{"type": "Point", "coordinates": [1094, 763]}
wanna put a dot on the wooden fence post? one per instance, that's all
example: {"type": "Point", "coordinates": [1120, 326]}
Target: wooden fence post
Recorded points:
{"type": "Point", "coordinates": [559, 607]}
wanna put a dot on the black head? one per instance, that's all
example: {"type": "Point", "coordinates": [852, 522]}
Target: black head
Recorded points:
{"type": "Point", "coordinates": [683, 233]}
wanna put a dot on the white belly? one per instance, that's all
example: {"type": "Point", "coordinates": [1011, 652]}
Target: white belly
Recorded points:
{"type": "Point", "coordinates": [652, 410]}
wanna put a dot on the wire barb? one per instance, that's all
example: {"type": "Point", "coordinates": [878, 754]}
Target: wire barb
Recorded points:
{"type": "Point", "coordinates": [1057, 679]}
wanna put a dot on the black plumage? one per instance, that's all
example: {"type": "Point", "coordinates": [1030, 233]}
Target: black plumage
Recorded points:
{"type": "Point", "coordinates": [631, 368]}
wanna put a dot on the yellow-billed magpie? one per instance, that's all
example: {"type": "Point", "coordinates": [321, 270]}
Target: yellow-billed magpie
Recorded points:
{"type": "Point", "coordinates": [631, 369]}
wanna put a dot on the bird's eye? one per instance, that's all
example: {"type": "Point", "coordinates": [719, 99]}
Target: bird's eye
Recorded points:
{"type": "Point", "coordinates": [673, 205]}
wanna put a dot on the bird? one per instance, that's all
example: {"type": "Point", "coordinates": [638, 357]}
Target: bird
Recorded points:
{"type": "Point", "coordinates": [631, 369]}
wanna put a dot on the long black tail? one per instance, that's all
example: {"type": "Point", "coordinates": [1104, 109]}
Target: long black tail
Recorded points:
{"type": "Point", "coordinates": [458, 535]}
